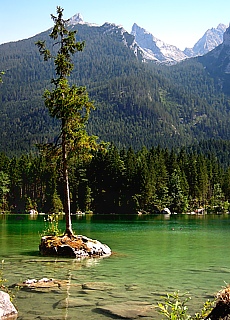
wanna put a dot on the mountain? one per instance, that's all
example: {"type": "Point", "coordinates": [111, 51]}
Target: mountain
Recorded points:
{"type": "Point", "coordinates": [123, 36]}
{"type": "Point", "coordinates": [155, 49]}
{"type": "Point", "coordinates": [110, 29]}
{"type": "Point", "coordinates": [217, 64]}
{"type": "Point", "coordinates": [136, 103]}
{"type": "Point", "coordinates": [150, 48]}
{"type": "Point", "coordinates": [76, 19]}
{"type": "Point", "coordinates": [210, 40]}
{"type": "Point", "coordinates": [158, 51]}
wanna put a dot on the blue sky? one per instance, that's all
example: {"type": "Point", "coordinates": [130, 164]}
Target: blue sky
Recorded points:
{"type": "Point", "coordinates": [177, 22]}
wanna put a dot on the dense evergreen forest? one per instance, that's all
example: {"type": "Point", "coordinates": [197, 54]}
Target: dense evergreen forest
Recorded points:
{"type": "Point", "coordinates": [121, 181]}
{"type": "Point", "coordinates": [137, 103]}
{"type": "Point", "coordinates": [168, 129]}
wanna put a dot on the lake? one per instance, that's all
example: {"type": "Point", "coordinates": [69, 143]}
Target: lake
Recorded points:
{"type": "Point", "coordinates": [152, 255]}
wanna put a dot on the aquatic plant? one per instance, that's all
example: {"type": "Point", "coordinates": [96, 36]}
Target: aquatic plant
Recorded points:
{"type": "Point", "coordinates": [3, 286]}
{"type": "Point", "coordinates": [2, 280]}
{"type": "Point", "coordinates": [175, 307]}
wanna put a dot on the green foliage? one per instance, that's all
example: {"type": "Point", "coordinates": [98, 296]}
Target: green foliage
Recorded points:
{"type": "Point", "coordinates": [56, 204]}
{"type": "Point", "coordinates": [66, 102]}
{"type": "Point", "coordinates": [218, 197]}
{"type": "Point", "coordinates": [1, 73]}
{"type": "Point", "coordinates": [52, 226]}
{"type": "Point", "coordinates": [120, 181]}
{"type": "Point", "coordinates": [207, 308]}
{"type": "Point", "coordinates": [30, 205]}
{"type": "Point", "coordinates": [178, 197]}
{"type": "Point", "coordinates": [175, 307]}
{"type": "Point", "coordinates": [2, 279]}
{"type": "Point", "coordinates": [4, 189]}
{"type": "Point", "coordinates": [3, 282]}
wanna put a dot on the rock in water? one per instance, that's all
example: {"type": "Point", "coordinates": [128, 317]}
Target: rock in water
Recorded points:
{"type": "Point", "coordinates": [75, 246]}
{"type": "Point", "coordinates": [7, 309]}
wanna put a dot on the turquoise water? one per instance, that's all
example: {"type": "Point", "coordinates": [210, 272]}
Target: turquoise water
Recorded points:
{"type": "Point", "coordinates": [152, 255]}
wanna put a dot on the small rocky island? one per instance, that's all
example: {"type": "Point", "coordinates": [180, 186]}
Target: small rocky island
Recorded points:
{"type": "Point", "coordinates": [75, 246]}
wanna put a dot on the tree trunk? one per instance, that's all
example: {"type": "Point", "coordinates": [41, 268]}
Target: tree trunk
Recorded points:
{"type": "Point", "coordinates": [68, 230]}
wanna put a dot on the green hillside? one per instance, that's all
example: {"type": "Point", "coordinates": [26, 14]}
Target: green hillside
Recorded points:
{"type": "Point", "coordinates": [136, 103]}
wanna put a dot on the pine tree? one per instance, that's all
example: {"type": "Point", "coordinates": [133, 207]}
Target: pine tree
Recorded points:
{"type": "Point", "coordinates": [4, 189]}
{"type": "Point", "coordinates": [69, 104]}
{"type": "Point", "coordinates": [179, 201]}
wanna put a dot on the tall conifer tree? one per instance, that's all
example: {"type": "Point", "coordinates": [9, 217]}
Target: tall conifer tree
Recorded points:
{"type": "Point", "coordinates": [69, 104]}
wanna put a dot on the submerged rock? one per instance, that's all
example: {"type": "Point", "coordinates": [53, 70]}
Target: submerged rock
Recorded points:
{"type": "Point", "coordinates": [73, 303]}
{"type": "Point", "coordinates": [41, 285]}
{"type": "Point", "coordinates": [127, 310]}
{"type": "Point", "coordinates": [7, 309]}
{"type": "Point", "coordinates": [100, 286]}
{"type": "Point", "coordinates": [75, 246]}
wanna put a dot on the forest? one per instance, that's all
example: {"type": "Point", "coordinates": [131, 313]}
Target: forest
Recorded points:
{"type": "Point", "coordinates": [167, 128]}
{"type": "Point", "coordinates": [137, 103]}
{"type": "Point", "coordinates": [122, 181]}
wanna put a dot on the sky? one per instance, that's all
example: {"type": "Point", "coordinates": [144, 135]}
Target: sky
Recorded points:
{"type": "Point", "coordinates": [177, 22]}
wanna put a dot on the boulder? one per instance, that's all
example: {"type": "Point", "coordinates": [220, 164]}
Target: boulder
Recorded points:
{"type": "Point", "coordinates": [7, 309]}
{"type": "Point", "coordinates": [166, 211]}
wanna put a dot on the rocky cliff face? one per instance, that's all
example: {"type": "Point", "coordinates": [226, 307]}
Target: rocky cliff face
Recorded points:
{"type": "Point", "coordinates": [210, 40]}
{"type": "Point", "coordinates": [121, 34]}
{"type": "Point", "coordinates": [217, 62]}
{"type": "Point", "coordinates": [76, 19]}
{"type": "Point", "coordinates": [147, 47]}
{"type": "Point", "coordinates": [155, 49]}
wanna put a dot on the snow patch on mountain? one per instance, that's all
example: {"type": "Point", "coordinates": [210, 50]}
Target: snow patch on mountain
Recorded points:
{"type": "Point", "coordinates": [211, 39]}
{"type": "Point", "coordinates": [217, 61]}
{"type": "Point", "coordinates": [159, 51]}
{"type": "Point", "coordinates": [147, 47]}
{"type": "Point", "coordinates": [78, 19]}
{"type": "Point", "coordinates": [155, 49]}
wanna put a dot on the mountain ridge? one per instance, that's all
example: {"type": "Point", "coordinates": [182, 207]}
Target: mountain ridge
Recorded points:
{"type": "Point", "coordinates": [154, 49]}
{"type": "Point", "coordinates": [136, 103]}
{"type": "Point", "coordinates": [211, 39]}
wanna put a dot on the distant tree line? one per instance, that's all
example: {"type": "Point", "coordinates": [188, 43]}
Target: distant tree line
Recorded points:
{"type": "Point", "coordinates": [118, 181]}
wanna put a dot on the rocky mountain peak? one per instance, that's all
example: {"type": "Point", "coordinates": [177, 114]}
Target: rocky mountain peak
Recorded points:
{"type": "Point", "coordinates": [159, 51]}
{"type": "Point", "coordinates": [148, 47]}
{"type": "Point", "coordinates": [76, 19]}
{"type": "Point", "coordinates": [222, 27]}
{"type": "Point", "coordinates": [211, 39]}
{"type": "Point", "coordinates": [127, 38]}
{"type": "Point", "coordinates": [155, 49]}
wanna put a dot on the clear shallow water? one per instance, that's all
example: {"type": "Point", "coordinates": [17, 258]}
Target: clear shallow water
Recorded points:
{"type": "Point", "coordinates": [152, 255]}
